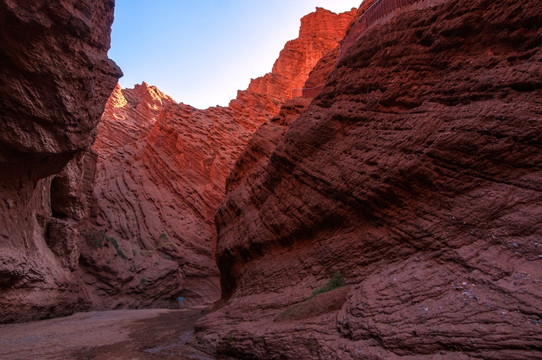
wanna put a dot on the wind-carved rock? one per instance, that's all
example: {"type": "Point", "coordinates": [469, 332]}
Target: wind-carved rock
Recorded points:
{"type": "Point", "coordinates": [415, 173]}
{"type": "Point", "coordinates": [55, 79]}
{"type": "Point", "coordinates": [162, 171]}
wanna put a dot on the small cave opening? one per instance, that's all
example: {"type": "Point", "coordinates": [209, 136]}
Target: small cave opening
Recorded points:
{"type": "Point", "coordinates": [8, 278]}
{"type": "Point", "coordinates": [58, 198]}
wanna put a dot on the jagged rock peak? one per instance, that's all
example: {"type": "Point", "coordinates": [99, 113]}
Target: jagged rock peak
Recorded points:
{"type": "Point", "coordinates": [325, 23]}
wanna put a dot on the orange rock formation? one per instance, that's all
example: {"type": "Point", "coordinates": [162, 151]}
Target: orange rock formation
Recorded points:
{"type": "Point", "coordinates": [161, 174]}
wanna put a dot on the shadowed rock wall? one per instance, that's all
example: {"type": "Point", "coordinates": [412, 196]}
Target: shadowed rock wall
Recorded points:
{"type": "Point", "coordinates": [416, 173]}
{"type": "Point", "coordinates": [55, 79]}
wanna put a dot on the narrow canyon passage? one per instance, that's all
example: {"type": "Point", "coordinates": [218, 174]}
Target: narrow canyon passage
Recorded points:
{"type": "Point", "coordinates": [376, 195]}
{"type": "Point", "coordinates": [121, 334]}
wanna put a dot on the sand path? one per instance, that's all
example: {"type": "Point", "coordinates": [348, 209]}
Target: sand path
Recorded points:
{"type": "Point", "coordinates": [122, 334]}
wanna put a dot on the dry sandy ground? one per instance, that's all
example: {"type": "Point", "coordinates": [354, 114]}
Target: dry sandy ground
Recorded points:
{"type": "Point", "coordinates": [123, 334]}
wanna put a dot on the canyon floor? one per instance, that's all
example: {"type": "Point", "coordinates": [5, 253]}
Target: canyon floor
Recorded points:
{"type": "Point", "coordinates": [122, 334]}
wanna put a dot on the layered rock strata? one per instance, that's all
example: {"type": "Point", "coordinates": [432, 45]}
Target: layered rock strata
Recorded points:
{"type": "Point", "coordinates": [416, 176]}
{"type": "Point", "coordinates": [55, 79]}
{"type": "Point", "coordinates": [320, 32]}
{"type": "Point", "coordinates": [161, 174]}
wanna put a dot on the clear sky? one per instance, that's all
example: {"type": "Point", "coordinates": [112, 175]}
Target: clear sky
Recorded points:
{"type": "Point", "coordinates": [201, 52]}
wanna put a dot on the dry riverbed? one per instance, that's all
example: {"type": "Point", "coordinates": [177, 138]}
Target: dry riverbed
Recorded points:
{"type": "Point", "coordinates": [122, 334]}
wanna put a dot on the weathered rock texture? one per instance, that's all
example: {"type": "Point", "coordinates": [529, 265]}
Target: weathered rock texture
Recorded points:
{"type": "Point", "coordinates": [320, 32]}
{"type": "Point", "coordinates": [55, 79]}
{"type": "Point", "coordinates": [161, 174]}
{"type": "Point", "coordinates": [416, 174]}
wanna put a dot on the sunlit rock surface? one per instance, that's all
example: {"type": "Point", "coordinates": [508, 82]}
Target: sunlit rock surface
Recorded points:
{"type": "Point", "coordinates": [162, 171]}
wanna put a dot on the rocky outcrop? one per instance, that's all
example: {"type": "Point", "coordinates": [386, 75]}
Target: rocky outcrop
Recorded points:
{"type": "Point", "coordinates": [320, 32]}
{"type": "Point", "coordinates": [415, 175]}
{"type": "Point", "coordinates": [129, 115]}
{"type": "Point", "coordinates": [55, 80]}
{"type": "Point", "coordinates": [162, 171]}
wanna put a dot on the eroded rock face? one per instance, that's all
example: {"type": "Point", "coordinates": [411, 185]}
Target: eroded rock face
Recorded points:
{"type": "Point", "coordinates": [55, 73]}
{"type": "Point", "coordinates": [162, 171]}
{"type": "Point", "coordinates": [55, 79]}
{"type": "Point", "coordinates": [320, 32]}
{"type": "Point", "coordinates": [416, 175]}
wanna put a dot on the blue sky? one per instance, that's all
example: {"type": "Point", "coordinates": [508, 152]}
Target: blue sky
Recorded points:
{"type": "Point", "coordinates": [201, 52]}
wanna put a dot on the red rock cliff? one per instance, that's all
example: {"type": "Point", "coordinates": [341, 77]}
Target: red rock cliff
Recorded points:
{"type": "Point", "coordinates": [320, 32]}
{"type": "Point", "coordinates": [161, 175]}
{"type": "Point", "coordinates": [55, 79]}
{"type": "Point", "coordinates": [416, 175]}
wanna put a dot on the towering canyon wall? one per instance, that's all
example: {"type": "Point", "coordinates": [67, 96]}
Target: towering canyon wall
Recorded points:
{"type": "Point", "coordinates": [161, 174]}
{"type": "Point", "coordinates": [55, 79]}
{"type": "Point", "coordinates": [416, 175]}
